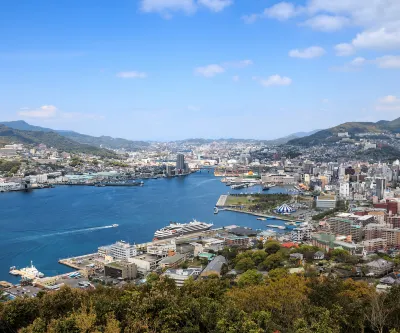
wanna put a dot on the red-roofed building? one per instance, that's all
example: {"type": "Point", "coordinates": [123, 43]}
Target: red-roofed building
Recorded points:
{"type": "Point", "coordinates": [289, 245]}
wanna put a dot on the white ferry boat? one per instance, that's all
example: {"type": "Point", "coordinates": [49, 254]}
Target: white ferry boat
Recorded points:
{"type": "Point", "coordinates": [178, 229]}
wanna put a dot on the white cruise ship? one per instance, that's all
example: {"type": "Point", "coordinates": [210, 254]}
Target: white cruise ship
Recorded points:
{"type": "Point", "coordinates": [178, 229]}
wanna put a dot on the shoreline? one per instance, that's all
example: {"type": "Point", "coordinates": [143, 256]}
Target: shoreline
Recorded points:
{"type": "Point", "coordinates": [259, 214]}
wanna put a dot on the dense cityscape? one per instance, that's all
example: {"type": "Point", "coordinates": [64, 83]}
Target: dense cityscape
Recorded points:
{"type": "Point", "coordinates": [329, 215]}
{"type": "Point", "coordinates": [200, 166]}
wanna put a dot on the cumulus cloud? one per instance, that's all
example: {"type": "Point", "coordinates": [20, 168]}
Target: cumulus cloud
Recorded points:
{"type": "Point", "coordinates": [274, 80]}
{"type": "Point", "coordinates": [167, 7]}
{"type": "Point", "coordinates": [214, 69]}
{"type": "Point", "coordinates": [236, 78]}
{"type": "Point", "coordinates": [382, 38]}
{"type": "Point", "coordinates": [308, 53]}
{"type": "Point", "coordinates": [377, 20]}
{"type": "Point", "coordinates": [282, 11]}
{"type": "Point", "coordinates": [344, 49]}
{"type": "Point", "coordinates": [388, 61]}
{"type": "Point", "coordinates": [388, 103]}
{"type": "Point", "coordinates": [238, 64]}
{"type": "Point", "coordinates": [359, 61]}
{"type": "Point", "coordinates": [45, 111]}
{"type": "Point", "coordinates": [216, 5]}
{"type": "Point", "coordinates": [389, 99]}
{"type": "Point", "coordinates": [50, 112]}
{"type": "Point", "coordinates": [209, 70]}
{"type": "Point", "coordinates": [327, 23]}
{"type": "Point", "coordinates": [385, 62]}
{"type": "Point", "coordinates": [132, 75]}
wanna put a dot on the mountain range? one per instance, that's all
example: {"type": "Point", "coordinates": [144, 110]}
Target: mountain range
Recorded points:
{"type": "Point", "coordinates": [330, 135]}
{"type": "Point", "coordinates": [51, 139]}
{"type": "Point", "coordinates": [102, 141]}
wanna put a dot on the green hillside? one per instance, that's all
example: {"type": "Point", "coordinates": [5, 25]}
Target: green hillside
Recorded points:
{"type": "Point", "coordinates": [102, 141]}
{"type": "Point", "coordinates": [50, 139]}
{"type": "Point", "coordinates": [330, 135]}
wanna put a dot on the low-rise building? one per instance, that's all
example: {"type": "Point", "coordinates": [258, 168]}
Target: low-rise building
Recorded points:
{"type": "Point", "coordinates": [162, 249]}
{"type": "Point", "coordinates": [375, 244]}
{"type": "Point", "coordinates": [172, 261]}
{"type": "Point", "coordinates": [120, 269]}
{"type": "Point", "coordinates": [181, 275]}
{"type": "Point", "coordinates": [301, 234]}
{"type": "Point", "coordinates": [122, 250]}
{"type": "Point", "coordinates": [326, 202]}
{"type": "Point", "coordinates": [214, 267]}
{"type": "Point", "coordinates": [380, 267]}
{"type": "Point", "coordinates": [145, 263]}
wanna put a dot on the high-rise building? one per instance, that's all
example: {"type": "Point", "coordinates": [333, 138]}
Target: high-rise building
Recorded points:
{"type": "Point", "coordinates": [380, 187]}
{"type": "Point", "coordinates": [180, 162]}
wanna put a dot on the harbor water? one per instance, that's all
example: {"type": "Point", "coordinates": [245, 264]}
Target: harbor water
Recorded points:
{"type": "Point", "coordinates": [49, 224]}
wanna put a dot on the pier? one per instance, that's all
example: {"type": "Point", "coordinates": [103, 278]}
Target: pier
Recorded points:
{"type": "Point", "coordinates": [221, 201]}
{"type": "Point", "coordinates": [261, 215]}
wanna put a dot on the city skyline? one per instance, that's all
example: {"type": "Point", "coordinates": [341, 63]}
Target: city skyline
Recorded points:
{"type": "Point", "coordinates": [165, 70]}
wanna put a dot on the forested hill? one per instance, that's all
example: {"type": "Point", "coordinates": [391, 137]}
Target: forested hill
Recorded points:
{"type": "Point", "coordinates": [50, 139]}
{"type": "Point", "coordinates": [331, 135]}
{"type": "Point", "coordinates": [101, 141]}
{"type": "Point", "coordinates": [282, 303]}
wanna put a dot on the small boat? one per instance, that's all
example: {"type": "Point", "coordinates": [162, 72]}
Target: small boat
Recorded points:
{"type": "Point", "coordinates": [216, 210]}
{"type": "Point", "coordinates": [115, 225]}
{"type": "Point", "coordinates": [261, 218]}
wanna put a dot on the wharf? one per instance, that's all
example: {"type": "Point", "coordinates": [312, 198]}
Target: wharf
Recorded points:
{"type": "Point", "coordinates": [22, 273]}
{"type": "Point", "coordinates": [261, 215]}
{"type": "Point", "coordinates": [222, 200]}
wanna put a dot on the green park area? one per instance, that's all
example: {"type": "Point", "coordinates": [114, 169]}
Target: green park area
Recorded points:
{"type": "Point", "coordinates": [257, 202]}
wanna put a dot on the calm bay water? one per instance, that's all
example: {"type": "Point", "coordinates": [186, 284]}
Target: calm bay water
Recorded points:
{"type": "Point", "coordinates": [49, 224]}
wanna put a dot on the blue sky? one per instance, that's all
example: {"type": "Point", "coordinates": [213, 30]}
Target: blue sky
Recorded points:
{"type": "Point", "coordinates": [174, 69]}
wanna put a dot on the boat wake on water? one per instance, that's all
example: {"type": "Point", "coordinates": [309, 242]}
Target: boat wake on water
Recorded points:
{"type": "Point", "coordinates": [33, 237]}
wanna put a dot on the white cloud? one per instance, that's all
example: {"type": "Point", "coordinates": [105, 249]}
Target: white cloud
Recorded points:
{"type": "Point", "coordinates": [378, 20]}
{"type": "Point", "coordinates": [45, 111]}
{"type": "Point", "coordinates": [50, 112]}
{"type": "Point", "coordinates": [388, 61]}
{"type": "Point", "coordinates": [216, 5]}
{"type": "Point", "coordinates": [389, 99]}
{"type": "Point", "coordinates": [238, 64]}
{"type": "Point", "coordinates": [388, 103]}
{"type": "Point", "coordinates": [236, 78]}
{"type": "Point", "coordinates": [282, 11]}
{"type": "Point", "coordinates": [359, 61]}
{"type": "Point", "coordinates": [214, 69]}
{"type": "Point", "coordinates": [308, 53]}
{"type": "Point", "coordinates": [132, 75]}
{"type": "Point", "coordinates": [274, 80]}
{"type": "Point", "coordinates": [251, 18]}
{"type": "Point", "coordinates": [165, 7]}
{"type": "Point", "coordinates": [382, 38]}
{"type": "Point", "coordinates": [209, 70]}
{"type": "Point", "coordinates": [344, 50]}
{"type": "Point", "coordinates": [327, 23]}
{"type": "Point", "coordinates": [193, 108]}
{"type": "Point", "coordinates": [325, 101]}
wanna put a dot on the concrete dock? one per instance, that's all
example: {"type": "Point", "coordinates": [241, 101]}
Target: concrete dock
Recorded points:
{"type": "Point", "coordinates": [222, 200]}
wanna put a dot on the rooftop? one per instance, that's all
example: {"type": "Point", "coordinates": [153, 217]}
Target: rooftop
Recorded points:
{"type": "Point", "coordinates": [173, 259]}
